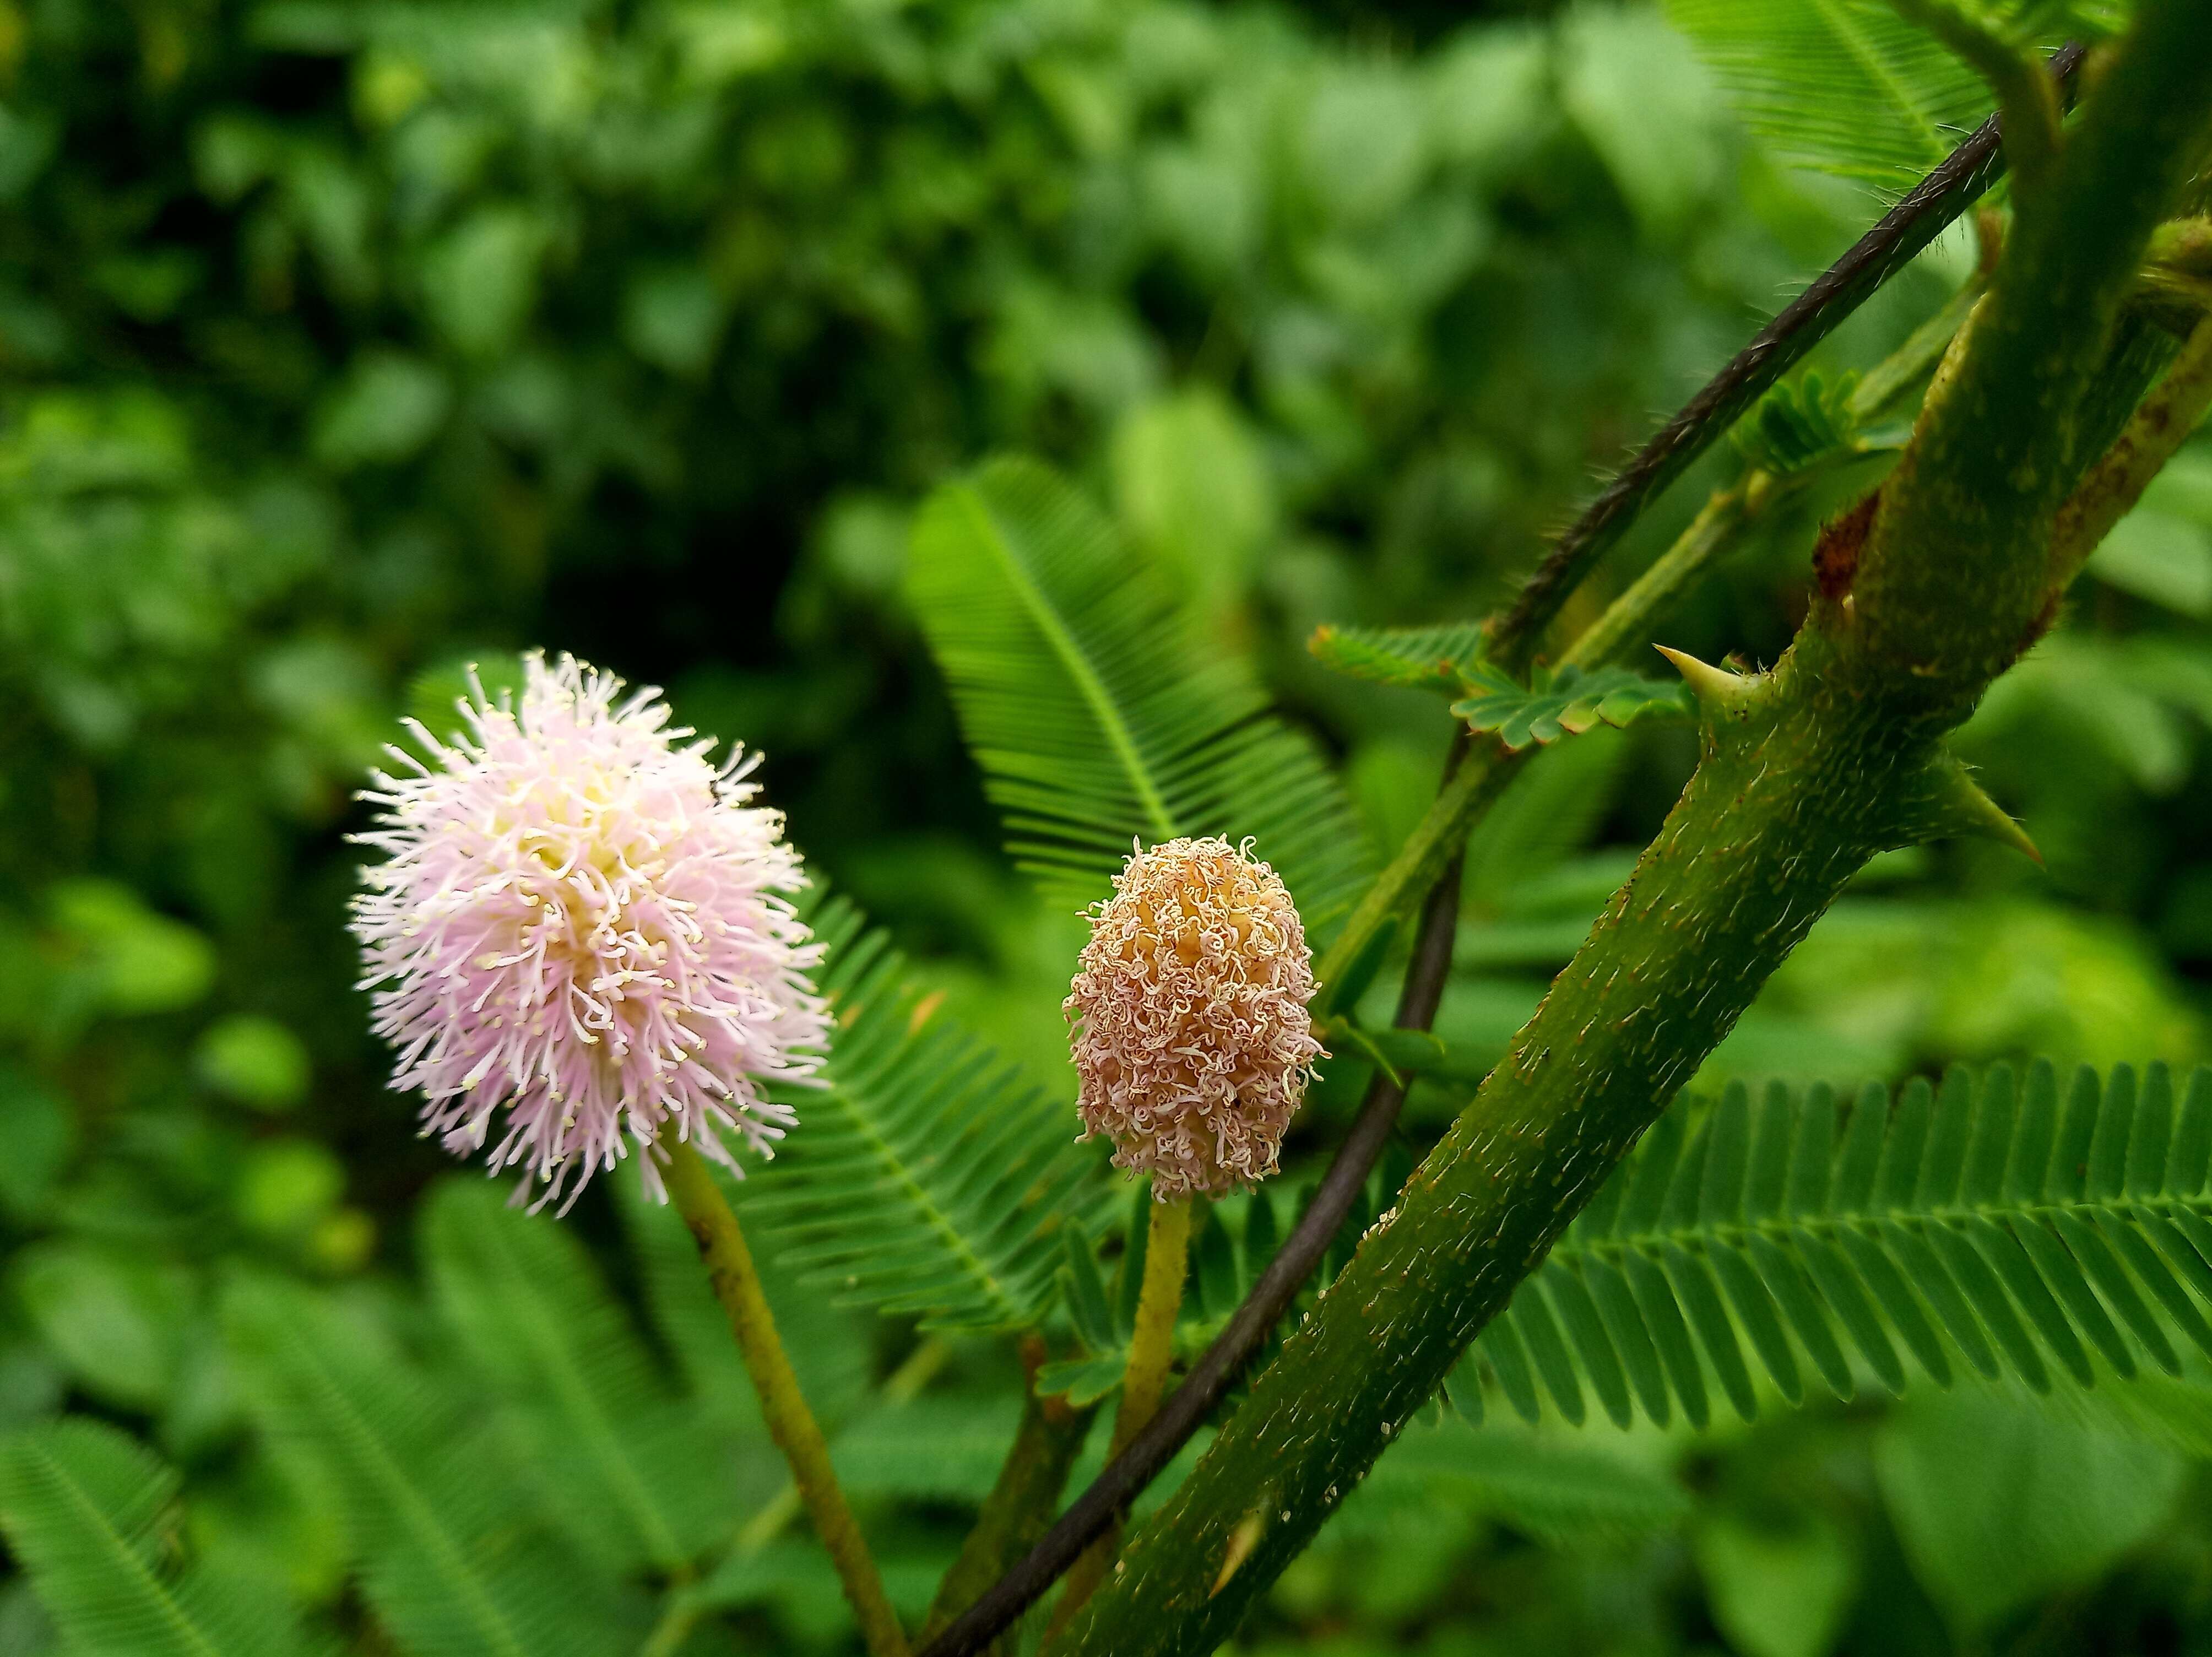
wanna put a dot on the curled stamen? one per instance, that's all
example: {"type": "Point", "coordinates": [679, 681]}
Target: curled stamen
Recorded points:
{"type": "Point", "coordinates": [1193, 1041]}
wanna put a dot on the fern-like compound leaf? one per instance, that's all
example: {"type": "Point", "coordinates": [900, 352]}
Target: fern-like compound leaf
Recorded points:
{"type": "Point", "coordinates": [1565, 702]}
{"type": "Point", "coordinates": [1417, 658]}
{"type": "Point", "coordinates": [2004, 1225]}
{"type": "Point", "coordinates": [625, 1464]}
{"type": "Point", "coordinates": [452, 1558]}
{"type": "Point", "coordinates": [1801, 425]}
{"type": "Point", "coordinates": [1843, 86]}
{"type": "Point", "coordinates": [928, 1177]}
{"type": "Point", "coordinates": [89, 1514]}
{"type": "Point", "coordinates": [1097, 706]}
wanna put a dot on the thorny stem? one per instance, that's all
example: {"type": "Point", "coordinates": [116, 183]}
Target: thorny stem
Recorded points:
{"type": "Point", "coordinates": [1473, 783]}
{"type": "Point", "coordinates": [1468, 790]}
{"type": "Point", "coordinates": [1805, 772]}
{"type": "Point", "coordinates": [1474, 777]}
{"type": "Point", "coordinates": [737, 1285]}
{"type": "Point", "coordinates": [2160, 425]}
{"type": "Point", "coordinates": [1151, 1347]}
{"type": "Point", "coordinates": [1773, 351]}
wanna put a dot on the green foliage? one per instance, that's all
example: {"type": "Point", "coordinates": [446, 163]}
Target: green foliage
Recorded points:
{"type": "Point", "coordinates": [1845, 86]}
{"type": "Point", "coordinates": [1099, 714]}
{"type": "Point", "coordinates": [930, 1178]}
{"type": "Point", "coordinates": [1422, 658]}
{"type": "Point", "coordinates": [1996, 1227]}
{"type": "Point", "coordinates": [1801, 424]}
{"type": "Point", "coordinates": [1558, 1491]}
{"type": "Point", "coordinates": [91, 1514]}
{"type": "Point", "coordinates": [1565, 702]}
{"type": "Point", "coordinates": [618, 1455]}
{"type": "Point", "coordinates": [431, 1511]}
{"type": "Point", "coordinates": [346, 344]}
{"type": "Point", "coordinates": [1555, 703]}
{"type": "Point", "coordinates": [1998, 1507]}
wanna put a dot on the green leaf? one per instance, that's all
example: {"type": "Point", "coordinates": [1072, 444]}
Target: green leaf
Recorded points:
{"type": "Point", "coordinates": [1778, 1591]}
{"type": "Point", "coordinates": [1565, 702]}
{"type": "Point", "coordinates": [89, 1514]}
{"type": "Point", "coordinates": [1083, 1381]}
{"type": "Point", "coordinates": [1998, 1505]}
{"type": "Point", "coordinates": [929, 1177]}
{"type": "Point", "coordinates": [115, 1316]}
{"type": "Point", "coordinates": [452, 1558]}
{"type": "Point", "coordinates": [619, 1456]}
{"type": "Point", "coordinates": [1843, 86]}
{"type": "Point", "coordinates": [1552, 1490]}
{"type": "Point", "coordinates": [942, 1448]}
{"type": "Point", "coordinates": [1191, 486]}
{"type": "Point", "coordinates": [386, 411]}
{"type": "Point", "coordinates": [1417, 658]}
{"type": "Point", "coordinates": [1801, 424]}
{"type": "Point", "coordinates": [1991, 1228]}
{"type": "Point", "coordinates": [1101, 709]}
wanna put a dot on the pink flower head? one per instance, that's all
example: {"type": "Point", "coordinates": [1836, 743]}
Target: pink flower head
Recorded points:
{"type": "Point", "coordinates": [1193, 1043]}
{"type": "Point", "coordinates": [580, 922]}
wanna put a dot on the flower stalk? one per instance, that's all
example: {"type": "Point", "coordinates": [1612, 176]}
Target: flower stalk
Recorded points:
{"type": "Point", "coordinates": [1151, 1351]}
{"type": "Point", "coordinates": [737, 1285]}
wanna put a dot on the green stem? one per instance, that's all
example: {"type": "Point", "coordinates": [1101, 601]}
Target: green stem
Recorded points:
{"type": "Point", "coordinates": [1995, 455]}
{"type": "Point", "coordinates": [1151, 1346]}
{"type": "Point", "coordinates": [2115, 483]}
{"type": "Point", "coordinates": [1805, 773]}
{"type": "Point", "coordinates": [1483, 774]}
{"type": "Point", "coordinates": [1626, 622]}
{"type": "Point", "coordinates": [1022, 1502]}
{"type": "Point", "coordinates": [903, 1385]}
{"type": "Point", "coordinates": [677, 1619]}
{"type": "Point", "coordinates": [1152, 1350]}
{"type": "Point", "coordinates": [737, 1285]}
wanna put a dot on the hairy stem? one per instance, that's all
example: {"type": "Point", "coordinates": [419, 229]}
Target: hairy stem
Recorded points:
{"type": "Point", "coordinates": [1474, 782]}
{"type": "Point", "coordinates": [737, 1285]}
{"type": "Point", "coordinates": [1773, 351]}
{"type": "Point", "coordinates": [902, 1386]}
{"type": "Point", "coordinates": [1625, 624]}
{"type": "Point", "coordinates": [1152, 1349]}
{"type": "Point", "coordinates": [1805, 773]}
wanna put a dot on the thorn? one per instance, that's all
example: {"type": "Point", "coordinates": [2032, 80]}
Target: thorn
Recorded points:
{"type": "Point", "coordinates": [1242, 1541]}
{"type": "Point", "coordinates": [1958, 806]}
{"type": "Point", "coordinates": [1718, 690]}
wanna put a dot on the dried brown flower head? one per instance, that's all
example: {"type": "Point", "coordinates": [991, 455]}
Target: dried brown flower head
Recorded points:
{"type": "Point", "coordinates": [1193, 1043]}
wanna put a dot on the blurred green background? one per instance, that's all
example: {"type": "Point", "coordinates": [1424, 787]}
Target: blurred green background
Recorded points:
{"type": "Point", "coordinates": [343, 343]}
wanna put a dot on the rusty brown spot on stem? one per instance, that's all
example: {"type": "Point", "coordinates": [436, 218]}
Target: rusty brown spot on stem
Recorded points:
{"type": "Point", "coordinates": [1836, 554]}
